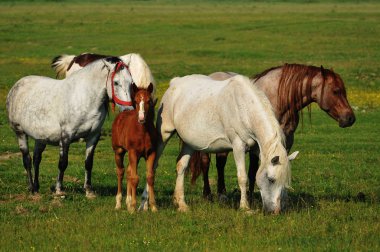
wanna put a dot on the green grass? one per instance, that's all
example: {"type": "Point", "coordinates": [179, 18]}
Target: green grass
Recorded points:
{"type": "Point", "coordinates": [335, 205]}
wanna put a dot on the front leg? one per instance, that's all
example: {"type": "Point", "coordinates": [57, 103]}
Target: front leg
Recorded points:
{"type": "Point", "coordinates": [90, 150]}
{"type": "Point", "coordinates": [239, 154]}
{"type": "Point", "coordinates": [253, 168]}
{"type": "Point", "coordinates": [182, 163]}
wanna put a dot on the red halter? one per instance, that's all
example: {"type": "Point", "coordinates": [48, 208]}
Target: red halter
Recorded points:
{"type": "Point", "coordinates": [114, 97]}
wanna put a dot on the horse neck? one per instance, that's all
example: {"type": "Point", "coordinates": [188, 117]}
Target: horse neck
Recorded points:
{"type": "Point", "coordinates": [93, 80]}
{"type": "Point", "coordinates": [264, 126]}
{"type": "Point", "coordinates": [288, 93]}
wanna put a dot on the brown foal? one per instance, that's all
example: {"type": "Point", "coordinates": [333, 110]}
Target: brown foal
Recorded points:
{"type": "Point", "coordinates": [134, 132]}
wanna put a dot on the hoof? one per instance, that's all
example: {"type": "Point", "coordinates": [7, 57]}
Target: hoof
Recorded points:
{"type": "Point", "coordinates": [118, 206]}
{"type": "Point", "coordinates": [183, 208]}
{"type": "Point", "coordinates": [90, 195]}
{"type": "Point", "coordinates": [131, 210]}
{"type": "Point", "coordinates": [208, 197]}
{"type": "Point", "coordinates": [143, 206]}
{"type": "Point", "coordinates": [222, 198]}
{"type": "Point", "coordinates": [60, 194]}
{"type": "Point", "coordinates": [36, 197]}
{"type": "Point", "coordinates": [154, 209]}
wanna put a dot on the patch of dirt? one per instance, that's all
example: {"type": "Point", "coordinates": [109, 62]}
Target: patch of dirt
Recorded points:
{"type": "Point", "coordinates": [21, 210]}
{"type": "Point", "coordinates": [22, 197]}
{"type": "Point", "coordinates": [8, 155]}
{"type": "Point", "coordinates": [72, 179]}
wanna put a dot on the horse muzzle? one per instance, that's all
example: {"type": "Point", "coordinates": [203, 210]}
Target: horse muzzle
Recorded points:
{"type": "Point", "coordinates": [141, 118]}
{"type": "Point", "coordinates": [347, 121]}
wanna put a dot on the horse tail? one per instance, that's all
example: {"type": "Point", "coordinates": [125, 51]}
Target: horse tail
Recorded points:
{"type": "Point", "coordinates": [195, 166]}
{"type": "Point", "coordinates": [61, 64]}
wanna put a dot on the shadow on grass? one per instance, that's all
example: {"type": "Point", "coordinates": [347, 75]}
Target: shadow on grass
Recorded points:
{"type": "Point", "coordinates": [296, 202]}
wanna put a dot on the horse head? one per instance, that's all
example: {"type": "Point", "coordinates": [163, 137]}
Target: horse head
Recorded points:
{"type": "Point", "coordinates": [330, 94]}
{"type": "Point", "coordinates": [143, 102]}
{"type": "Point", "coordinates": [273, 179]}
{"type": "Point", "coordinates": [119, 90]}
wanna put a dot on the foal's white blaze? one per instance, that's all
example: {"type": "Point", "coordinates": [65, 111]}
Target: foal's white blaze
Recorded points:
{"type": "Point", "coordinates": [141, 111]}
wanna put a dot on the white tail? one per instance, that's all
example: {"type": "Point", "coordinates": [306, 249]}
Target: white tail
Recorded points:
{"type": "Point", "coordinates": [61, 63]}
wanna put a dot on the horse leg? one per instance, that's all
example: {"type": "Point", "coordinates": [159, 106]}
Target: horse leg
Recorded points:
{"type": "Point", "coordinates": [182, 163]}
{"type": "Point", "coordinates": [150, 180]}
{"type": "Point", "coordinates": [37, 155]}
{"type": "Point", "coordinates": [253, 167]}
{"type": "Point", "coordinates": [133, 179]}
{"type": "Point", "coordinates": [64, 145]}
{"type": "Point", "coordinates": [26, 159]}
{"type": "Point", "coordinates": [205, 165]}
{"type": "Point", "coordinates": [90, 150]}
{"type": "Point", "coordinates": [221, 159]}
{"type": "Point", "coordinates": [239, 155]}
{"type": "Point", "coordinates": [159, 150]}
{"type": "Point", "coordinates": [119, 158]}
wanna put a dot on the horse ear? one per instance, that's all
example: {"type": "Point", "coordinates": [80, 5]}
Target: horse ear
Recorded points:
{"type": "Point", "coordinates": [275, 160]}
{"type": "Point", "coordinates": [134, 89]}
{"type": "Point", "coordinates": [293, 155]}
{"type": "Point", "coordinates": [155, 102]}
{"type": "Point", "coordinates": [150, 88]}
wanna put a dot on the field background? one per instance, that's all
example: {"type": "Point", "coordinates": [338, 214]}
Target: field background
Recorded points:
{"type": "Point", "coordinates": [335, 205]}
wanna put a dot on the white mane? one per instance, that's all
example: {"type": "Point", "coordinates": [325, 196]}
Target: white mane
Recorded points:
{"type": "Point", "coordinates": [140, 71]}
{"type": "Point", "coordinates": [275, 147]}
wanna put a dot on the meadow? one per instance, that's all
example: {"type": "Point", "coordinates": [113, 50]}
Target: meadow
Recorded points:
{"type": "Point", "coordinates": [335, 204]}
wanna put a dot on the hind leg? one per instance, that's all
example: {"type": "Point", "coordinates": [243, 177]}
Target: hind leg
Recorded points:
{"type": "Point", "coordinates": [37, 155]}
{"type": "Point", "coordinates": [166, 131]}
{"type": "Point", "coordinates": [205, 166]}
{"type": "Point", "coordinates": [179, 192]}
{"type": "Point", "coordinates": [26, 159]}
{"type": "Point", "coordinates": [90, 150]}
{"type": "Point", "coordinates": [221, 159]}
{"type": "Point", "coordinates": [64, 144]}
{"type": "Point", "coordinates": [150, 180]}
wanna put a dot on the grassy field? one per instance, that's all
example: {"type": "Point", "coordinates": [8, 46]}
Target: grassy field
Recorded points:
{"type": "Point", "coordinates": [336, 202]}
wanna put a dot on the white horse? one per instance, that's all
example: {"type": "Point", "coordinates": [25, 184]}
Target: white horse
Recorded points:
{"type": "Point", "coordinates": [65, 65]}
{"type": "Point", "coordinates": [59, 112]}
{"type": "Point", "coordinates": [215, 116]}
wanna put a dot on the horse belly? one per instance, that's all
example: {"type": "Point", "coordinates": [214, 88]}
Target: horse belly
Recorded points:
{"type": "Point", "coordinates": [208, 140]}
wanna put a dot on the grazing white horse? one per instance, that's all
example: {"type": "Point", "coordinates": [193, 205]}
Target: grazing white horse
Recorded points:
{"type": "Point", "coordinates": [215, 116]}
{"type": "Point", "coordinates": [59, 112]}
{"type": "Point", "coordinates": [65, 65]}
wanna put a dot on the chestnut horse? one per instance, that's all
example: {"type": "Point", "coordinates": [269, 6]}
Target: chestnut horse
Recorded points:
{"type": "Point", "coordinates": [134, 132]}
{"type": "Point", "coordinates": [289, 88]}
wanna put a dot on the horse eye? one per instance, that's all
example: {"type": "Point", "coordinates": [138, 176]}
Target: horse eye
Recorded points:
{"type": "Point", "coordinates": [272, 180]}
{"type": "Point", "coordinates": [122, 67]}
{"type": "Point", "coordinates": [116, 83]}
{"type": "Point", "coordinates": [336, 91]}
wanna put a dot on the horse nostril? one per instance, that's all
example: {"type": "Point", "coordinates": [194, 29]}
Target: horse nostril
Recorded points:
{"type": "Point", "coordinates": [351, 120]}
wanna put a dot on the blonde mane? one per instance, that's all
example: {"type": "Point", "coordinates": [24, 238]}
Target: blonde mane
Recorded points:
{"type": "Point", "coordinates": [140, 71]}
{"type": "Point", "coordinates": [276, 145]}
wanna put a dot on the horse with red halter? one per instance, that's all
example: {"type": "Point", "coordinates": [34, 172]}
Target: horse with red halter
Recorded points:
{"type": "Point", "coordinates": [134, 132]}
{"type": "Point", "coordinates": [65, 65]}
{"type": "Point", "coordinates": [289, 88]}
{"type": "Point", "coordinates": [59, 112]}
